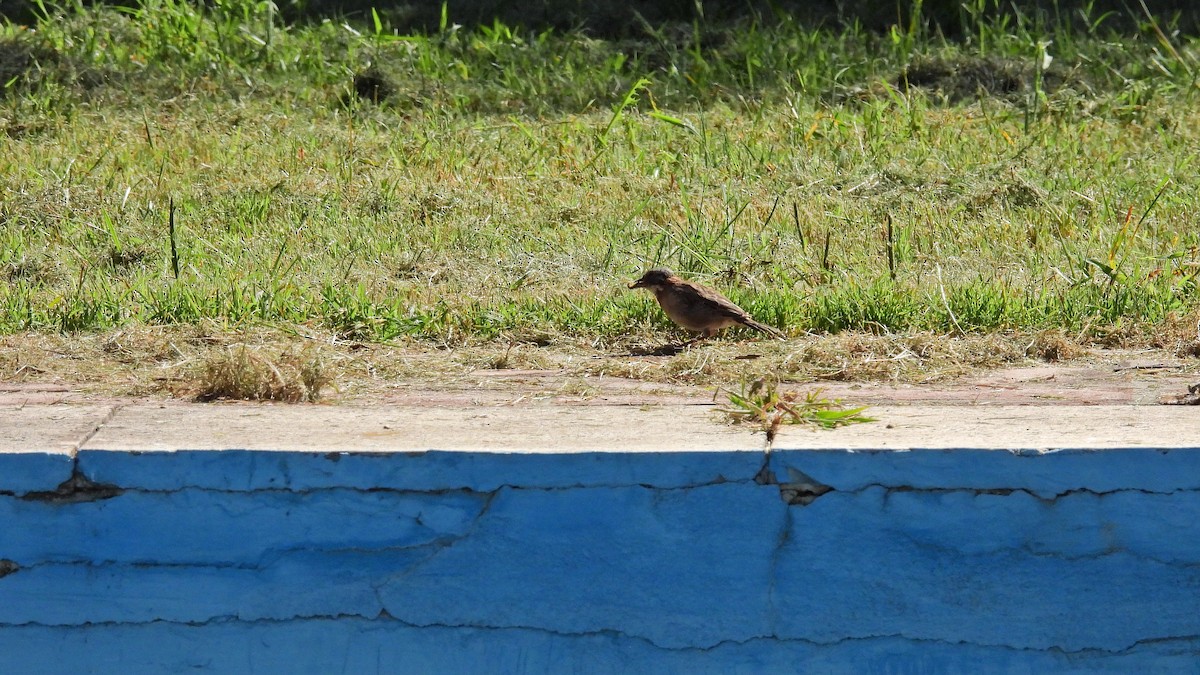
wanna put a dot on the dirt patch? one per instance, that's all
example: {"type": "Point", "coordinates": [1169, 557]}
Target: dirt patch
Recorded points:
{"type": "Point", "coordinates": [374, 85]}
{"type": "Point", "coordinates": [960, 79]}
{"type": "Point", "coordinates": [965, 79]}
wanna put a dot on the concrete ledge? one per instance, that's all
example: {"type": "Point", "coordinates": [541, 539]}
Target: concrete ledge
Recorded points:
{"type": "Point", "coordinates": [38, 443]}
{"type": "Point", "coordinates": [309, 539]}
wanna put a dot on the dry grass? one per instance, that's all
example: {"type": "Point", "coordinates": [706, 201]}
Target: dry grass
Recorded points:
{"type": "Point", "coordinates": [1053, 345]}
{"type": "Point", "coordinates": [243, 373]}
{"type": "Point", "coordinates": [1179, 334]}
{"type": "Point", "coordinates": [211, 361]}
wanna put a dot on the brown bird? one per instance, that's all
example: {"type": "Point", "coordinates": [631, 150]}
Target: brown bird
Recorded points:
{"type": "Point", "coordinates": [695, 307]}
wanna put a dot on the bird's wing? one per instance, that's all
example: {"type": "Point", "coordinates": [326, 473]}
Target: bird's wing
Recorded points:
{"type": "Point", "coordinates": [715, 301]}
{"type": "Point", "coordinates": [725, 307]}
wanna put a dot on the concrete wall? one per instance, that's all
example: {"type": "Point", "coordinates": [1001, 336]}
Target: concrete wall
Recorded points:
{"type": "Point", "coordinates": [816, 561]}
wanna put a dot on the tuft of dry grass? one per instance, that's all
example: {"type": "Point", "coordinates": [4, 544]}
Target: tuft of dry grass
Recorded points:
{"type": "Point", "coordinates": [243, 373]}
{"type": "Point", "coordinates": [1180, 334]}
{"type": "Point", "coordinates": [1054, 345]}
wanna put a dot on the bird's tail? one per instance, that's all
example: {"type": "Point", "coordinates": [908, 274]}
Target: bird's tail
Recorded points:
{"type": "Point", "coordinates": [764, 328]}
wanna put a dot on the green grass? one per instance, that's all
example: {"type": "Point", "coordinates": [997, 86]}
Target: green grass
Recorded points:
{"type": "Point", "coordinates": [513, 180]}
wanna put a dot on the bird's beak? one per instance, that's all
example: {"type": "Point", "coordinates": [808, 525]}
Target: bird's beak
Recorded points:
{"type": "Point", "coordinates": [640, 283]}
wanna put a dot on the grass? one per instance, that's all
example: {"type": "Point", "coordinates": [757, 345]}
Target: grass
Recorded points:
{"type": "Point", "coordinates": [182, 164]}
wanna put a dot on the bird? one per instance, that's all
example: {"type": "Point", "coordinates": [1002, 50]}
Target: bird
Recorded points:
{"type": "Point", "coordinates": [696, 307]}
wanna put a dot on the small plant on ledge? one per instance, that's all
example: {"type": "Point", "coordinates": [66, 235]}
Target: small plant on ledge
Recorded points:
{"type": "Point", "coordinates": [760, 402]}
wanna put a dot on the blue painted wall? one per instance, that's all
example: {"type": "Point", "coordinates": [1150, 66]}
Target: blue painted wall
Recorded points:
{"type": "Point", "coordinates": [893, 562]}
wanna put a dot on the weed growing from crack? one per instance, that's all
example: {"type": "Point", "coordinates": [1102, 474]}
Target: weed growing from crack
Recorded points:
{"type": "Point", "coordinates": [760, 402]}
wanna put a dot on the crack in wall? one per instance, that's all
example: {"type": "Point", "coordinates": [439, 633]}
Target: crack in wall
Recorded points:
{"type": "Point", "coordinates": [75, 490]}
{"type": "Point", "coordinates": [803, 489]}
{"type": "Point", "coordinates": [80, 481]}
{"type": "Point", "coordinates": [468, 531]}
{"type": "Point", "coordinates": [108, 417]}
{"type": "Point", "coordinates": [1027, 549]}
{"type": "Point", "coordinates": [77, 487]}
{"type": "Point", "coordinates": [383, 617]}
{"type": "Point", "coordinates": [1005, 492]}
{"type": "Point", "coordinates": [268, 558]}
{"type": "Point", "coordinates": [1110, 551]}
{"type": "Point", "coordinates": [264, 562]}
{"type": "Point", "coordinates": [781, 542]}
